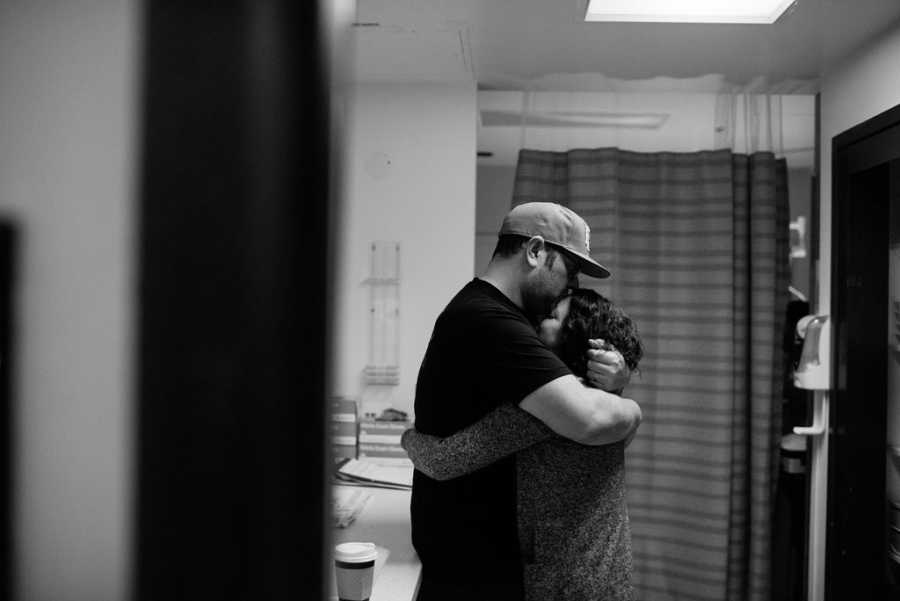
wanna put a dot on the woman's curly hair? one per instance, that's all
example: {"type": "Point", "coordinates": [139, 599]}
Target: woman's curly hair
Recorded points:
{"type": "Point", "coordinates": [592, 315]}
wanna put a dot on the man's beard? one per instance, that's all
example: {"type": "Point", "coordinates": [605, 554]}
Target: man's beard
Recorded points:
{"type": "Point", "coordinates": [537, 303]}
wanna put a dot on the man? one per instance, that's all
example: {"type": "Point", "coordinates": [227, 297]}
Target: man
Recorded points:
{"type": "Point", "coordinates": [484, 352]}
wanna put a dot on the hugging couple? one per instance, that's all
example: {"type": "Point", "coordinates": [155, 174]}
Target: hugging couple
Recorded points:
{"type": "Point", "coordinates": [520, 431]}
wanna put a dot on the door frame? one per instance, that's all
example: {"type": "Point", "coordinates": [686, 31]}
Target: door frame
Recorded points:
{"type": "Point", "coordinates": [871, 143]}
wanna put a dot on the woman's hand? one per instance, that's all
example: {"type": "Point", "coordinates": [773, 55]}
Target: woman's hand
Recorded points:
{"type": "Point", "coordinates": [606, 368]}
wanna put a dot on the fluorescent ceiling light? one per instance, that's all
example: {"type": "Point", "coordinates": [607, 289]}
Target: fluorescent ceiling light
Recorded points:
{"type": "Point", "coordinates": [687, 11]}
{"type": "Point", "coordinates": [573, 119]}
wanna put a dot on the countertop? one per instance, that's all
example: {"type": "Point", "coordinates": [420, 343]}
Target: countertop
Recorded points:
{"type": "Point", "coordinates": [385, 522]}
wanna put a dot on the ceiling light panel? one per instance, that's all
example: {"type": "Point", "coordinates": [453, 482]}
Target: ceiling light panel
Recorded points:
{"type": "Point", "coordinates": [687, 11]}
{"type": "Point", "coordinates": [501, 118]}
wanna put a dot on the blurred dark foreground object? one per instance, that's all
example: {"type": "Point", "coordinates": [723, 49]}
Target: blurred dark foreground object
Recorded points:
{"type": "Point", "coordinates": [235, 228]}
{"type": "Point", "coordinates": [8, 255]}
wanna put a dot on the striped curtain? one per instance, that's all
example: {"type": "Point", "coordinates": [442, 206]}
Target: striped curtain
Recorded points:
{"type": "Point", "coordinates": [698, 247]}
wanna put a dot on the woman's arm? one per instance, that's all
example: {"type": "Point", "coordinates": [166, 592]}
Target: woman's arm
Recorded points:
{"type": "Point", "coordinates": [502, 432]}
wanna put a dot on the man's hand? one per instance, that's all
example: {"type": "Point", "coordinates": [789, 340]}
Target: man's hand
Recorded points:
{"type": "Point", "coordinates": [606, 367]}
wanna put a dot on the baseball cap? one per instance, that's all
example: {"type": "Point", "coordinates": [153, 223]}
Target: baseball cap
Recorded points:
{"type": "Point", "coordinates": [558, 226]}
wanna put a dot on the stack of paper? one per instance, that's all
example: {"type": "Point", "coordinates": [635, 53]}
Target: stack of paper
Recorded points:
{"type": "Point", "coordinates": [363, 473]}
{"type": "Point", "coordinates": [379, 442]}
{"type": "Point", "coordinates": [343, 427]}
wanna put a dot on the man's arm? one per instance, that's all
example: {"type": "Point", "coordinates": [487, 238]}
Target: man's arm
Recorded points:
{"type": "Point", "coordinates": [586, 415]}
{"type": "Point", "coordinates": [502, 432]}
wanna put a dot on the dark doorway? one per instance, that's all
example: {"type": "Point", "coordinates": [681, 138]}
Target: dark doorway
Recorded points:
{"type": "Point", "coordinates": [866, 173]}
{"type": "Point", "coordinates": [7, 355]}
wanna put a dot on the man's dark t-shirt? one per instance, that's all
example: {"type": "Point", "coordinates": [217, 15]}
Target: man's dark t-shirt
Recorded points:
{"type": "Point", "coordinates": [483, 353]}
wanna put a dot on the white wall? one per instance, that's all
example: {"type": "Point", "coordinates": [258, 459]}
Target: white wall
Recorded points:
{"type": "Point", "coordinates": [863, 86]}
{"type": "Point", "coordinates": [410, 177]}
{"type": "Point", "coordinates": [493, 200]}
{"type": "Point", "coordinates": [67, 135]}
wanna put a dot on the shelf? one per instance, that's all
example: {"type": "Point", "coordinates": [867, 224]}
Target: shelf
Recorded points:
{"type": "Point", "coordinates": [382, 374]}
{"type": "Point", "coordinates": [383, 282]}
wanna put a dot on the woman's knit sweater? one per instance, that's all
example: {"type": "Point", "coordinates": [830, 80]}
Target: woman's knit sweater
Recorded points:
{"type": "Point", "coordinates": [572, 516]}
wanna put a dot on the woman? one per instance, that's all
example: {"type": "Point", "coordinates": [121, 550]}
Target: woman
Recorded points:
{"type": "Point", "coordinates": [572, 517]}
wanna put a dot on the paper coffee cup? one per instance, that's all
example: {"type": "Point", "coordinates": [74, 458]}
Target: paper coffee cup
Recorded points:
{"type": "Point", "coordinates": [354, 568]}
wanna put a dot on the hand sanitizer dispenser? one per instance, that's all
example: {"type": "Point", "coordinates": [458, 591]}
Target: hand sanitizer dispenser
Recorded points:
{"type": "Point", "coordinates": [813, 371]}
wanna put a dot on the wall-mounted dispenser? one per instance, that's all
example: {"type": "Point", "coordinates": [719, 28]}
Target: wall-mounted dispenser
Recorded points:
{"type": "Point", "coordinates": [798, 238]}
{"type": "Point", "coordinates": [384, 314]}
{"type": "Point", "coordinates": [813, 371]}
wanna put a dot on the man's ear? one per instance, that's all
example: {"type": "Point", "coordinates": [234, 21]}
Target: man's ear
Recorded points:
{"type": "Point", "coordinates": [533, 249]}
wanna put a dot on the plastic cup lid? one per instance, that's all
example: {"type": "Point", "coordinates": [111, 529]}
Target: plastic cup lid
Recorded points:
{"type": "Point", "coordinates": [355, 552]}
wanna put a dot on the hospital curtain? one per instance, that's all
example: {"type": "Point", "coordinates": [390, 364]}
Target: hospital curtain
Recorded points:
{"type": "Point", "coordinates": [698, 247]}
